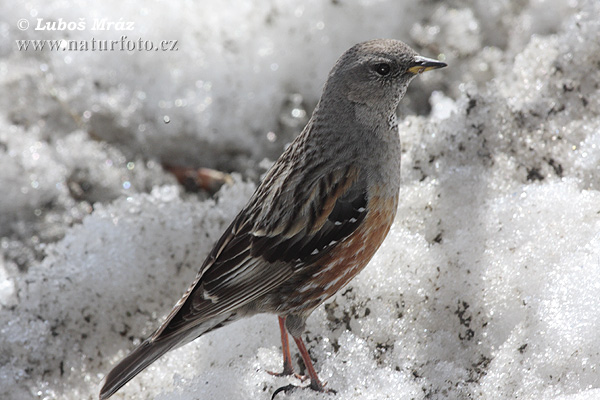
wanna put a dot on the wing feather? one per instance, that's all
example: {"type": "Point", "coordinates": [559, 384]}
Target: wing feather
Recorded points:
{"type": "Point", "coordinates": [249, 261]}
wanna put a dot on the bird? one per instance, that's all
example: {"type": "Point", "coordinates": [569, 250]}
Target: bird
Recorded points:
{"type": "Point", "coordinates": [313, 223]}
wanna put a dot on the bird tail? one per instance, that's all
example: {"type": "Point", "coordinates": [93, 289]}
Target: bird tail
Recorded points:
{"type": "Point", "coordinates": [138, 360]}
{"type": "Point", "coordinates": [155, 347]}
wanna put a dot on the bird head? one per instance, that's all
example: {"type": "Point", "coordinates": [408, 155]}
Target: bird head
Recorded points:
{"type": "Point", "coordinates": [377, 73]}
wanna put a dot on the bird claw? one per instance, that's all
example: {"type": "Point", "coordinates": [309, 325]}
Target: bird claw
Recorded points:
{"type": "Point", "coordinates": [302, 378]}
{"type": "Point", "coordinates": [285, 389]}
{"type": "Point", "coordinates": [290, 388]}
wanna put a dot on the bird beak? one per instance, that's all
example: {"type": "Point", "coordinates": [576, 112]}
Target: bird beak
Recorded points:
{"type": "Point", "coordinates": [422, 64]}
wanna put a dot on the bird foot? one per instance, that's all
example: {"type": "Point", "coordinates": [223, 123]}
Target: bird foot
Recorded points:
{"type": "Point", "coordinates": [290, 388]}
{"type": "Point", "coordinates": [302, 378]}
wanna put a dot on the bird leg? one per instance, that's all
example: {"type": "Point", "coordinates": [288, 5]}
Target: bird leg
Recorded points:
{"type": "Point", "coordinates": [315, 382]}
{"type": "Point", "coordinates": [288, 369]}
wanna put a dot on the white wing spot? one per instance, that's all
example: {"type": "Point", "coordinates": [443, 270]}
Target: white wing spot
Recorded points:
{"type": "Point", "coordinates": [333, 282]}
{"type": "Point", "coordinates": [337, 223]}
{"type": "Point", "coordinates": [315, 251]}
{"type": "Point", "coordinates": [352, 220]}
{"type": "Point", "coordinates": [328, 268]}
{"type": "Point", "coordinates": [210, 297]}
{"type": "Point", "coordinates": [308, 287]}
{"type": "Point", "coordinates": [362, 209]}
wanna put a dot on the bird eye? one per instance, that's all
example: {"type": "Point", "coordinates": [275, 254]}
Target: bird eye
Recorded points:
{"type": "Point", "coordinates": [382, 68]}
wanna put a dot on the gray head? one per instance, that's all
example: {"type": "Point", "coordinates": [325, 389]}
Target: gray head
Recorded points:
{"type": "Point", "coordinates": [376, 74]}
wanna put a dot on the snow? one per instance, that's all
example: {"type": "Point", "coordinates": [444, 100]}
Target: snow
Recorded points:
{"type": "Point", "coordinates": [486, 287]}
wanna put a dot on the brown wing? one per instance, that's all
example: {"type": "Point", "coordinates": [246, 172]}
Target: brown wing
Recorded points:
{"type": "Point", "coordinates": [249, 260]}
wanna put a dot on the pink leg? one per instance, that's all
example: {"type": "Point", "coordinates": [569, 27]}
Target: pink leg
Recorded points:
{"type": "Point", "coordinates": [315, 383]}
{"type": "Point", "coordinates": [288, 369]}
